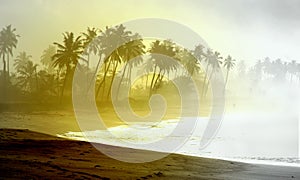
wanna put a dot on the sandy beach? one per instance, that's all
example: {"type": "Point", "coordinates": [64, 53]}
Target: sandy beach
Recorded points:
{"type": "Point", "coordinates": [31, 155]}
{"type": "Point", "coordinates": [30, 149]}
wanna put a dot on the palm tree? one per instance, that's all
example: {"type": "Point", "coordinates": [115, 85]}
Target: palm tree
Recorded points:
{"type": "Point", "coordinates": [22, 60]}
{"type": "Point", "coordinates": [267, 66]}
{"type": "Point", "coordinates": [292, 69]}
{"type": "Point", "coordinates": [229, 63]}
{"type": "Point", "coordinates": [27, 76]}
{"type": "Point", "coordinates": [161, 65]}
{"type": "Point", "coordinates": [133, 49]}
{"type": "Point", "coordinates": [198, 52]}
{"type": "Point", "coordinates": [208, 61]}
{"type": "Point", "coordinates": [46, 59]}
{"type": "Point", "coordinates": [47, 84]}
{"type": "Point", "coordinates": [112, 40]}
{"type": "Point", "coordinates": [68, 55]}
{"type": "Point", "coordinates": [258, 68]}
{"type": "Point", "coordinates": [189, 61]}
{"type": "Point", "coordinates": [90, 43]}
{"type": "Point", "coordinates": [215, 63]}
{"type": "Point", "coordinates": [8, 41]}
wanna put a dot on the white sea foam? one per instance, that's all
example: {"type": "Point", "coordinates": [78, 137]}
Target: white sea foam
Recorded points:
{"type": "Point", "coordinates": [254, 138]}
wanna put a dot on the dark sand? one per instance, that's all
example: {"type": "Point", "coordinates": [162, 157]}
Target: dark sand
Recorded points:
{"type": "Point", "coordinates": [26, 154]}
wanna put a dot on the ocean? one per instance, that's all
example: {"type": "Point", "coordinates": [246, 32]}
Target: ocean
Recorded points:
{"type": "Point", "coordinates": [258, 138]}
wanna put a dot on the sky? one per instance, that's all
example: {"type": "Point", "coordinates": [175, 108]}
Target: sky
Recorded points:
{"type": "Point", "coordinates": [245, 29]}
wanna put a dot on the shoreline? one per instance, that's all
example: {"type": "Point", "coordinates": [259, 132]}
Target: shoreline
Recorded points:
{"type": "Point", "coordinates": [59, 122]}
{"type": "Point", "coordinates": [29, 154]}
{"type": "Point", "coordinates": [237, 160]}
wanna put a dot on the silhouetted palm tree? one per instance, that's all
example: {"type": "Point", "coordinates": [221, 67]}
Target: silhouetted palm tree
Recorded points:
{"type": "Point", "coordinates": [229, 63]}
{"type": "Point", "coordinates": [68, 55]}
{"type": "Point", "coordinates": [199, 53]}
{"type": "Point", "coordinates": [21, 60]}
{"type": "Point", "coordinates": [188, 59]}
{"type": "Point", "coordinates": [90, 43]}
{"type": "Point", "coordinates": [161, 65]}
{"type": "Point", "coordinates": [215, 62]}
{"type": "Point", "coordinates": [27, 76]}
{"type": "Point", "coordinates": [112, 40]}
{"type": "Point", "coordinates": [132, 49]}
{"type": "Point", "coordinates": [46, 59]}
{"type": "Point", "coordinates": [8, 41]}
{"type": "Point", "coordinates": [208, 60]}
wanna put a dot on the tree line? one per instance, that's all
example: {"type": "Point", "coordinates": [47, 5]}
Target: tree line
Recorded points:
{"type": "Point", "coordinates": [51, 79]}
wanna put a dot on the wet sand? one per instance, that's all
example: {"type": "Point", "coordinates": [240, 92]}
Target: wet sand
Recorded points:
{"type": "Point", "coordinates": [25, 154]}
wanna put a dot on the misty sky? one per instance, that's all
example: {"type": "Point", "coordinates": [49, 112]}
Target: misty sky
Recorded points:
{"type": "Point", "coordinates": [246, 29]}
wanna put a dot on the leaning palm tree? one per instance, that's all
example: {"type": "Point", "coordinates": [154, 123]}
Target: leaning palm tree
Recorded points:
{"type": "Point", "coordinates": [199, 53]}
{"type": "Point", "coordinates": [208, 60]}
{"type": "Point", "coordinates": [112, 40]}
{"type": "Point", "coordinates": [67, 56]}
{"type": "Point", "coordinates": [215, 62]}
{"type": "Point", "coordinates": [189, 61]}
{"type": "Point", "coordinates": [90, 43]}
{"type": "Point", "coordinates": [8, 42]}
{"type": "Point", "coordinates": [229, 63]}
{"type": "Point", "coordinates": [161, 65]}
{"type": "Point", "coordinates": [133, 49]}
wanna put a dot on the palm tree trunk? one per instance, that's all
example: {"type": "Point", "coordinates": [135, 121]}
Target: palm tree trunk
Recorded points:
{"type": "Point", "coordinates": [147, 77]}
{"type": "Point", "coordinates": [88, 61]}
{"type": "Point", "coordinates": [155, 82]}
{"type": "Point", "coordinates": [129, 76]}
{"type": "Point", "coordinates": [64, 85]}
{"type": "Point", "coordinates": [157, 79]}
{"type": "Point", "coordinates": [204, 80]}
{"type": "Point", "coordinates": [4, 79]}
{"type": "Point", "coordinates": [87, 72]}
{"type": "Point", "coordinates": [8, 67]}
{"type": "Point", "coordinates": [209, 78]}
{"type": "Point", "coordinates": [112, 79]}
{"type": "Point", "coordinates": [150, 90]}
{"type": "Point", "coordinates": [4, 70]}
{"type": "Point", "coordinates": [106, 69]}
{"type": "Point", "coordinates": [226, 79]}
{"type": "Point", "coordinates": [161, 77]}
{"type": "Point", "coordinates": [58, 74]}
{"type": "Point", "coordinates": [123, 74]}
{"type": "Point", "coordinates": [95, 73]}
{"type": "Point", "coordinates": [36, 80]}
{"type": "Point", "coordinates": [104, 77]}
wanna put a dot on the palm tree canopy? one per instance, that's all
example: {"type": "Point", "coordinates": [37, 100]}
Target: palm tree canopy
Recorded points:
{"type": "Point", "coordinates": [166, 48]}
{"type": "Point", "coordinates": [26, 75]}
{"type": "Point", "coordinates": [229, 63]}
{"type": "Point", "coordinates": [112, 42]}
{"type": "Point", "coordinates": [133, 49]}
{"type": "Point", "coordinates": [198, 52]}
{"type": "Point", "coordinates": [215, 60]}
{"type": "Point", "coordinates": [21, 60]}
{"type": "Point", "coordinates": [68, 53]}
{"type": "Point", "coordinates": [189, 61]}
{"type": "Point", "coordinates": [89, 40]}
{"type": "Point", "coordinates": [46, 58]}
{"type": "Point", "coordinates": [8, 40]}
